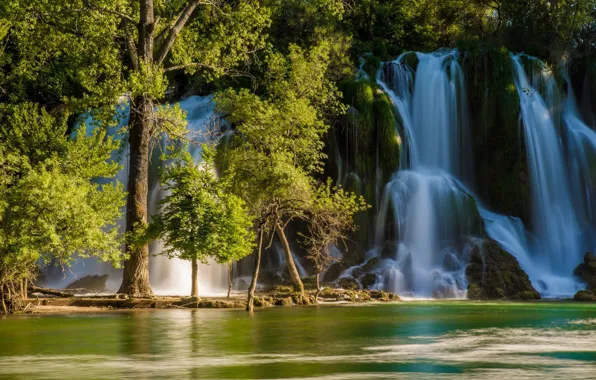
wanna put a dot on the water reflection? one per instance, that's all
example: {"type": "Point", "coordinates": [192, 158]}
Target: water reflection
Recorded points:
{"type": "Point", "coordinates": [411, 340]}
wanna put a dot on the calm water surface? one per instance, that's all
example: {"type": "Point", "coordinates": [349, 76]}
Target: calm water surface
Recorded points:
{"type": "Point", "coordinates": [411, 340]}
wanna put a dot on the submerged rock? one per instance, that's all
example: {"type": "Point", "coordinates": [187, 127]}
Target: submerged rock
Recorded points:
{"type": "Point", "coordinates": [586, 271]}
{"type": "Point", "coordinates": [93, 283]}
{"type": "Point", "coordinates": [494, 273]}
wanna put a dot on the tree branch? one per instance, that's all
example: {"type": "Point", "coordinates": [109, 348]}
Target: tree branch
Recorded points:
{"type": "Point", "coordinates": [131, 47]}
{"type": "Point", "coordinates": [181, 20]}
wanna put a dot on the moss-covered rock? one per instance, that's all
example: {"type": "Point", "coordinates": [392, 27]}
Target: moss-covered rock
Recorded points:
{"type": "Point", "coordinates": [585, 295]}
{"type": "Point", "coordinates": [348, 283]}
{"type": "Point", "coordinates": [389, 142]}
{"type": "Point", "coordinates": [494, 273]}
{"type": "Point", "coordinates": [262, 302]}
{"type": "Point", "coordinates": [368, 280]}
{"type": "Point", "coordinates": [287, 301]}
{"type": "Point", "coordinates": [282, 289]}
{"type": "Point", "coordinates": [498, 144]}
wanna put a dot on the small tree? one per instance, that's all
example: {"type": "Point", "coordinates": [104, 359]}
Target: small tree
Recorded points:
{"type": "Point", "coordinates": [330, 219]}
{"type": "Point", "coordinates": [200, 218]}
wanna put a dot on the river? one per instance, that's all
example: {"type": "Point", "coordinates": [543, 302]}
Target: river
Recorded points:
{"type": "Point", "coordinates": [409, 340]}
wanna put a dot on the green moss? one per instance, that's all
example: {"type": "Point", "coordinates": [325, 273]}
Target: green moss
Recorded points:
{"type": "Point", "coordinates": [371, 66]}
{"type": "Point", "coordinates": [499, 153]}
{"type": "Point", "coordinates": [389, 142]}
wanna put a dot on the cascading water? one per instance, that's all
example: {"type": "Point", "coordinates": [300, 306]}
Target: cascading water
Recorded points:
{"type": "Point", "coordinates": [167, 276]}
{"type": "Point", "coordinates": [431, 208]}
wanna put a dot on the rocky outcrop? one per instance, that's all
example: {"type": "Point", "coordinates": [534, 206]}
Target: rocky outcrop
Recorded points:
{"type": "Point", "coordinates": [494, 273]}
{"type": "Point", "coordinates": [586, 271]}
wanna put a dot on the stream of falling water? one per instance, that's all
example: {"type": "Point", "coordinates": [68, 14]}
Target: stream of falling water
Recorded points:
{"type": "Point", "coordinates": [432, 206]}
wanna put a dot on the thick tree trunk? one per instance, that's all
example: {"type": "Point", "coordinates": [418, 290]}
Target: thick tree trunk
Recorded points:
{"type": "Point", "coordinates": [255, 274]}
{"type": "Point", "coordinates": [294, 275]}
{"type": "Point", "coordinates": [230, 273]}
{"type": "Point", "coordinates": [135, 281]}
{"type": "Point", "coordinates": [194, 291]}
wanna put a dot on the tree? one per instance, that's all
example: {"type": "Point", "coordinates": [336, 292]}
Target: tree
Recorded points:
{"type": "Point", "coordinates": [330, 219]}
{"type": "Point", "coordinates": [278, 143]}
{"type": "Point", "coordinates": [89, 52]}
{"type": "Point", "coordinates": [200, 218]}
{"type": "Point", "coordinates": [51, 206]}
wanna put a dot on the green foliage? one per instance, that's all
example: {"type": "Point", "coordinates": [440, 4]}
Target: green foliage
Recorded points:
{"type": "Point", "coordinates": [389, 141]}
{"type": "Point", "coordinates": [201, 218]}
{"type": "Point", "coordinates": [52, 207]}
{"type": "Point", "coordinates": [330, 218]}
{"type": "Point", "coordinates": [215, 41]}
{"type": "Point", "coordinates": [278, 139]}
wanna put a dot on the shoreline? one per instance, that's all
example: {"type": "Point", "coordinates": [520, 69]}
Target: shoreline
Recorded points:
{"type": "Point", "coordinates": [237, 301]}
{"type": "Point", "coordinates": [84, 304]}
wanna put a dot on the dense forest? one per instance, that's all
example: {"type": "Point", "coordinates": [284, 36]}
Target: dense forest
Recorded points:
{"type": "Point", "coordinates": [305, 134]}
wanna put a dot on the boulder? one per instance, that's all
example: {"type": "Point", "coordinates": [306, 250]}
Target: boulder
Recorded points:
{"type": "Point", "coordinates": [92, 283]}
{"type": "Point", "coordinates": [368, 280]}
{"type": "Point", "coordinates": [334, 271]}
{"type": "Point", "coordinates": [349, 283]}
{"type": "Point", "coordinates": [586, 271]}
{"type": "Point", "coordinates": [367, 267]}
{"type": "Point", "coordinates": [585, 295]}
{"type": "Point", "coordinates": [494, 273]}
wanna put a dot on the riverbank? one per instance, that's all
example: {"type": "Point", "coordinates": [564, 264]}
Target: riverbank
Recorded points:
{"type": "Point", "coordinates": [282, 297]}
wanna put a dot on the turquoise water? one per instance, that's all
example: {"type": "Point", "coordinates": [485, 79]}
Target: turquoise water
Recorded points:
{"type": "Point", "coordinates": [410, 340]}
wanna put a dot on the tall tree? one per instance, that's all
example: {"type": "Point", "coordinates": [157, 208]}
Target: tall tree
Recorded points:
{"type": "Point", "coordinates": [86, 47]}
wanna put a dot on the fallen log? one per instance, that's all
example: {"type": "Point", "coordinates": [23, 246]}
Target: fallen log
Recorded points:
{"type": "Point", "coordinates": [52, 292]}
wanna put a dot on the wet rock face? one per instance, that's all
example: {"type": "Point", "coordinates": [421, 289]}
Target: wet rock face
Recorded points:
{"type": "Point", "coordinates": [92, 283]}
{"type": "Point", "coordinates": [586, 271]}
{"type": "Point", "coordinates": [493, 273]}
{"type": "Point", "coordinates": [368, 280]}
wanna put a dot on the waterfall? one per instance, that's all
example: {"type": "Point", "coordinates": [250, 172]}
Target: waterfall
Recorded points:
{"type": "Point", "coordinates": [430, 196]}
{"type": "Point", "coordinates": [167, 276]}
{"type": "Point", "coordinates": [431, 207]}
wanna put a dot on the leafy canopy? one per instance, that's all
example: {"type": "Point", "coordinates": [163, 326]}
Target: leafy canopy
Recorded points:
{"type": "Point", "coordinates": [51, 205]}
{"type": "Point", "coordinates": [200, 218]}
